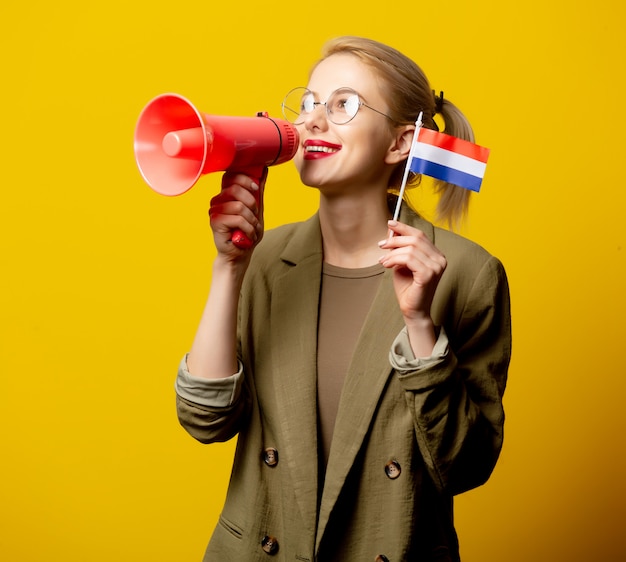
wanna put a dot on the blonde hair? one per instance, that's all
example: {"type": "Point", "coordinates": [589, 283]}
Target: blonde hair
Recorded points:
{"type": "Point", "coordinates": [408, 92]}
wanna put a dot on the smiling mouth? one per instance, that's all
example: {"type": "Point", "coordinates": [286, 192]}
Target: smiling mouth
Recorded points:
{"type": "Point", "coordinates": [315, 148]}
{"type": "Point", "coordinates": [326, 149]}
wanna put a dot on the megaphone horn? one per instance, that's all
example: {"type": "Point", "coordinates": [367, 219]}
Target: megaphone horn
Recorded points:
{"type": "Point", "coordinates": [175, 144]}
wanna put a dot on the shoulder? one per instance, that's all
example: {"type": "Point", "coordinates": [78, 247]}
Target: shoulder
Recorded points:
{"type": "Point", "coordinates": [277, 238]}
{"type": "Point", "coordinates": [458, 249]}
{"type": "Point", "coordinates": [474, 283]}
{"type": "Point", "coordinates": [470, 265]}
{"type": "Point", "coordinates": [283, 248]}
{"type": "Point", "coordinates": [290, 243]}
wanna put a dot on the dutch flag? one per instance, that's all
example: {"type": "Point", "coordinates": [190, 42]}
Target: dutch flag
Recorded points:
{"type": "Point", "coordinates": [448, 159]}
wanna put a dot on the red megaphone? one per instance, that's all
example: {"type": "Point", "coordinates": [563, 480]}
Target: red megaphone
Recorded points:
{"type": "Point", "coordinates": [175, 144]}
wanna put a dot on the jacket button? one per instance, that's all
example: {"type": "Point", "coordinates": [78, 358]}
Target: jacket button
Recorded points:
{"type": "Point", "coordinates": [381, 558]}
{"type": "Point", "coordinates": [393, 469]}
{"type": "Point", "coordinates": [269, 545]}
{"type": "Point", "coordinates": [270, 456]}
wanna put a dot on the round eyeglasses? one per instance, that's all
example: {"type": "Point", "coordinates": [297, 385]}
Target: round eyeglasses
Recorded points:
{"type": "Point", "coordinates": [341, 106]}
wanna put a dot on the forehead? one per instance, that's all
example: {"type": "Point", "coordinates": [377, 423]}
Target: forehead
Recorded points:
{"type": "Point", "coordinates": [344, 70]}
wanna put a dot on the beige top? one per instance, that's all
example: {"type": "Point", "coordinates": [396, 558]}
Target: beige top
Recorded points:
{"type": "Point", "coordinates": [344, 303]}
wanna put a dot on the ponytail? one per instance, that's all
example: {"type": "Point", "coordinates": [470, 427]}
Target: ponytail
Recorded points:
{"type": "Point", "coordinates": [453, 201]}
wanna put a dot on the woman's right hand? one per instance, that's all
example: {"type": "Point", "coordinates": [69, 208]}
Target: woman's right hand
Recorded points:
{"type": "Point", "coordinates": [238, 206]}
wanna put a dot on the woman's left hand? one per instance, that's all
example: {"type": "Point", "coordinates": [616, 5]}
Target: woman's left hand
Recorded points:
{"type": "Point", "coordinates": [417, 268]}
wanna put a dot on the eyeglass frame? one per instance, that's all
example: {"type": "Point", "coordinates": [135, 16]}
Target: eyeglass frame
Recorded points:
{"type": "Point", "coordinates": [361, 103]}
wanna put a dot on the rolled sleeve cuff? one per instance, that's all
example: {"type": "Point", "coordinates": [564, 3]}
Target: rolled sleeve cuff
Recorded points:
{"type": "Point", "coordinates": [404, 361]}
{"type": "Point", "coordinates": [212, 393]}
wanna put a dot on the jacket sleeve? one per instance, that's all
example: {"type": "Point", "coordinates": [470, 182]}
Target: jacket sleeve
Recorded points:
{"type": "Point", "coordinates": [456, 399]}
{"type": "Point", "coordinates": [210, 410]}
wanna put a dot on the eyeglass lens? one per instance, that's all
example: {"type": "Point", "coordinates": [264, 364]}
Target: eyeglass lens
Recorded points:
{"type": "Point", "coordinates": [341, 106]}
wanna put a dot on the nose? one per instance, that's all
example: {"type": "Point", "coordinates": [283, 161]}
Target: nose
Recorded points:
{"type": "Point", "coordinates": [317, 119]}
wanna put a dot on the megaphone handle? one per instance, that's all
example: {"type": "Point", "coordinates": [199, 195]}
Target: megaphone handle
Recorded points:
{"type": "Point", "coordinates": [259, 175]}
{"type": "Point", "coordinates": [240, 240]}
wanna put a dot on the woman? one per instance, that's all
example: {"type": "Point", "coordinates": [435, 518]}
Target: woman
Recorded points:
{"type": "Point", "coordinates": [361, 361]}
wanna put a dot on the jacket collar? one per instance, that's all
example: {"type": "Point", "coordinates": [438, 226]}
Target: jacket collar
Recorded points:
{"type": "Point", "coordinates": [306, 242]}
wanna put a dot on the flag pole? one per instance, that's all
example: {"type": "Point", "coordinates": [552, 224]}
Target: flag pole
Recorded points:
{"type": "Point", "coordinates": [418, 125]}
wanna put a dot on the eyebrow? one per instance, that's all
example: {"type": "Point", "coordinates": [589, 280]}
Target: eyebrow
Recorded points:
{"type": "Point", "coordinates": [316, 94]}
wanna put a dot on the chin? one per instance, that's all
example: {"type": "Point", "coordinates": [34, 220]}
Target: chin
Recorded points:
{"type": "Point", "coordinates": [307, 178]}
{"type": "Point", "coordinates": [310, 183]}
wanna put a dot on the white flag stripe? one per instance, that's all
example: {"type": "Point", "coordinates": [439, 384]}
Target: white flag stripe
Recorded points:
{"type": "Point", "coordinates": [450, 159]}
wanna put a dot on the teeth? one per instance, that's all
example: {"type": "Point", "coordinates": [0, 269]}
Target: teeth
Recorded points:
{"type": "Point", "coordinates": [317, 148]}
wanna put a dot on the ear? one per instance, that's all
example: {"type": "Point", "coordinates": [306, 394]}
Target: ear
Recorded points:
{"type": "Point", "coordinates": [401, 144]}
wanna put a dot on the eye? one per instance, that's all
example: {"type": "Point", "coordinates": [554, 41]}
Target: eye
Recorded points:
{"type": "Point", "coordinates": [344, 102]}
{"type": "Point", "coordinates": [307, 104]}
{"type": "Point", "coordinates": [351, 105]}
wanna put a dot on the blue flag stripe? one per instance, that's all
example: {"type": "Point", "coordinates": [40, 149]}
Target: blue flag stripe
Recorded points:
{"type": "Point", "coordinates": [443, 173]}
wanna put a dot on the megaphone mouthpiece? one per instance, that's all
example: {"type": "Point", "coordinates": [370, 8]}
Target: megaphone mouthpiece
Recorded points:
{"type": "Point", "coordinates": [187, 143]}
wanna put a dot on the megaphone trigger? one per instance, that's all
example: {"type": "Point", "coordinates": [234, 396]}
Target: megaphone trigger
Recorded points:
{"type": "Point", "coordinates": [175, 144]}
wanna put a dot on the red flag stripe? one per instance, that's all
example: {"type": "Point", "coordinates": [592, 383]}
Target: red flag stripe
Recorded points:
{"type": "Point", "coordinates": [453, 144]}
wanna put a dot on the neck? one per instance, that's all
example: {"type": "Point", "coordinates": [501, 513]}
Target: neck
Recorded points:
{"type": "Point", "coordinates": [351, 228]}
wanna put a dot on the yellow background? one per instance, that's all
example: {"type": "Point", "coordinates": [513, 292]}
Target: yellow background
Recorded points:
{"type": "Point", "coordinates": [103, 280]}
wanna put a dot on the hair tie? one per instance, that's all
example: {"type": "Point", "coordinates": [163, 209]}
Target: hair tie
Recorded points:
{"type": "Point", "coordinates": [438, 102]}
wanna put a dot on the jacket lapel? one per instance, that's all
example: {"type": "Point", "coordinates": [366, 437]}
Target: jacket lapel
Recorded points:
{"type": "Point", "coordinates": [294, 312]}
{"type": "Point", "coordinates": [365, 381]}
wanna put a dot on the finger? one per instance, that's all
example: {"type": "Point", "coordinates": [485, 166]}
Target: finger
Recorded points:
{"type": "Point", "coordinates": [398, 230]}
{"type": "Point", "coordinates": [237, 178]}
{"type": "Point", "coordinates": [235, 208]}
{"type": "Point", "coordinates": [406, 236]}
{"type": "Point", "coordinates": [421, 263]}
{"type": "Point", "coordinates": [234, 215]}
{"type": "Point", "coordinates": [237, 198]}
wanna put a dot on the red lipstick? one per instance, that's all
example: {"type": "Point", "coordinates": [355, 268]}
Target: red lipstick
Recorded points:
{"type": "Point", "coordinates": [316, 149]}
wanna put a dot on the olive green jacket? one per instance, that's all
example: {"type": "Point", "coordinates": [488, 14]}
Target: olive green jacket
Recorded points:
{"type": "Point", "coordinates": [408, 436]}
